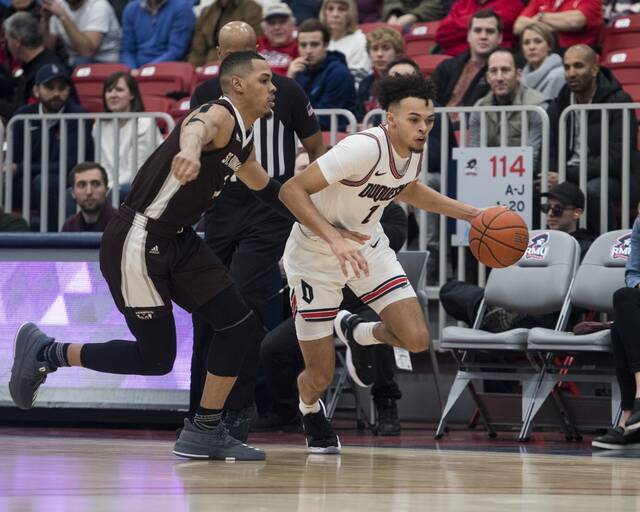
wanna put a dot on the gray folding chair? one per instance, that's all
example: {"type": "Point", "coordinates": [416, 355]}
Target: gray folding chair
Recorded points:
{"type": "Point", "coordinates": [599, 276]}
{"type": "Point", "coordinates": [538, 284]}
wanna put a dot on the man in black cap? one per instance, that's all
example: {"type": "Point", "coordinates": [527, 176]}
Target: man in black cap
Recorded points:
{"type": "Point", "coordinates": [564, 206]}
{"type": "Point", "coordinates": [53, 90]}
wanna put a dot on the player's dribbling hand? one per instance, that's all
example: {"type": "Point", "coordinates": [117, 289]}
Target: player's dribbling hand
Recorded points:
{"type": "Point", "coordinates": [348, 255]}
{"type": "Point", "coordinates": [185, 166]}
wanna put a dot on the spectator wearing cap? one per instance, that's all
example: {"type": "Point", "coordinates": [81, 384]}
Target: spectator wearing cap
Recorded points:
{"type": "Point", "coordinates": [89, 29]}
{"type": "Point", "coordinates": [278, 44]}
{"type": "Point", "coordinates": [156, 31]}
{"type": "Point", "coordinates": [53, 91]}
{"type": "Point", "coordinates": [25, 42]}
{"type": "Point", "coordinates": [204, 44]}
{"type": "Point", "coordinates": [89, 186]}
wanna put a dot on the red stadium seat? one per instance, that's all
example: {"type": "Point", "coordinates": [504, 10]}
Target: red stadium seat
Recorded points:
{"type": "Point", "coordinates": [420, 39]}
{"type": "Point", "coordinates": [180, 109]}
{"type": "Point", "coordinates": [92, 104]}
{"type": "Point", "coordinates": [209, 70]}
{"type": "Point", "coordinates": [370, 27]}
{"type": "Point", "coordinates": [428, 63]}
{"type": "Point", "coordinates": [166, 77]}
{"type": "Point", "coordinates": [326, 137]}
{"type": "Point", "coordinates": [624, 64]}
{"type": "Point", "coordinates": [623, 33]}
{"type": "Point", "coordinates": [159, 104]}
{"type": "Point", "coordinates": [88, 79]}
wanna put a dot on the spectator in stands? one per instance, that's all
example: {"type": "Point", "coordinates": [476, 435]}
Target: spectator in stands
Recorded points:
{"type": "Point", "coordinates": [204, 45]}
{"type": "Point", "coordinates": [404, 13]}
{"type": "Point", "coordinates": [89, 29]}
{"type": "Point", "coordinates": [507, 89]}
{"type": "Point", "coordinates": [564, 207]}
{"type": "Point", "coordinates": [278, 45]}
{"type": "Point", "coordinates": [369, 11]}
{"type": "Point", "coordinates": [53, 90]}
{"type": "Point", "coordinates": [461, 80]}
{"type": "Point", "coordinates": [25, 42]}
{"type": "Point", "coordinates": [341, 18]}
{"type": "Point", "coordinates": [589, 83]}
{"type": "Point", "coordinates": [156, 31]}
{"type": "Point", "coordinates": [624, 339]}
{"type": "Point", "coordinates": [302, 161]}
{"type": "Point", "coordinates": [89, 186]}
{"type": "Point", "coordinates": [574, 21]}
{"type": "Point", "coordinates": [384, 45]}
{"type": "Point", "coordinates": [12, 223]}
{"type": "Point", "coordinates": [304, 9]}
{"type": "Point", "coordinates": [121, 94]}
{"type": "Point", "coordinates": [452, 31]}
{"type": "Point", "coordinates": [323, 74]}
{"type": "Point", "coordinates": [544, 70]}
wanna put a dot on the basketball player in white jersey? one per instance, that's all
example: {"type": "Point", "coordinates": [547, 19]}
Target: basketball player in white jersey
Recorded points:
{"type": "Point", "coordinates": [347, 189]}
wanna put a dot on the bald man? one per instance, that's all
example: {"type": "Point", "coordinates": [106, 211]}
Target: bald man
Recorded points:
{"type": "Point", "coordinates": [245, 235]}
{"type": "Point", "coordinates": [587, 82]}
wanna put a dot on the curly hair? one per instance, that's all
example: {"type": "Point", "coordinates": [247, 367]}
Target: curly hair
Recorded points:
{"type": "Point", "coordinates": [393, 89]}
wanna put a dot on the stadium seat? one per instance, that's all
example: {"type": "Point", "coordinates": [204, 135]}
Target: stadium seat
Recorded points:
{"type": "Point", "coordinates": [326, 137]}
{"type": "Point", "coordinates": [370, 27]}
{"type": "Point", "coordinates": [176, 78]}
{"type": "Point", "coordinates": [88, 79]}
{"type": "Point", "coordinates": [624, 64]}
{"type": "Point", "coordinates": [623, 33]}
{"type": "Point", "coordinates": [180, 109]}
{"type": "Point", "coordinates": [209, 70]}
{"type": "Point", "coordinates": [428, 63]}
{"type": "Point", "coordinates": [160, 104]}
{"type": "Point", "coordinates": [420, 39]}
{"type": "Point", "coordinates": [92, 104]}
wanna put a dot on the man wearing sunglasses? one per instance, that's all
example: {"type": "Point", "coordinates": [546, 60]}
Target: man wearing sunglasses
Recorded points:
{"type": "Point", "coordinates": [564, 205]}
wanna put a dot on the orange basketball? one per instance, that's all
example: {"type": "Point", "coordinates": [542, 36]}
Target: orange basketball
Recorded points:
{"type": "Point", "coordinates": [498, 237]}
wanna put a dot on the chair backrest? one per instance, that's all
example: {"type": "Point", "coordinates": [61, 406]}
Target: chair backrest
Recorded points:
{"type": "Point", "coordinates": [414, 264]}
{"type": "Point", "coordinates": [602, 271]}
{"type": "Point", "coordinates": [88, 79]}
{"type": "Point", "coordinates": [164, 77]}
{"type": "Point", "coordinates": [540, 281]}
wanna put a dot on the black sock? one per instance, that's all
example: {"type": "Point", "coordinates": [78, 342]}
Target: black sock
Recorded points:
{"type": "Point", "coordinates": [55, 354]}
{"type": "Point", "coordinates": [207, 419]}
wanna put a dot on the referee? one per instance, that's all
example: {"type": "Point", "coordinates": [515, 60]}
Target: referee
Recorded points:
{"type": "Point", "coordinates": [248, 236]}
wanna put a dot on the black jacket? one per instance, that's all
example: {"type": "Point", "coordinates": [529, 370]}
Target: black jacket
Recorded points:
{"type": "Point", "coordinates": [608, 90]}
{"type": "Point", "coordinates": [446, 75]}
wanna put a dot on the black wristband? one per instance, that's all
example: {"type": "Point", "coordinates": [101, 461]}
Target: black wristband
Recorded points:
{"type": "Point", "coordinates": [269, 196]}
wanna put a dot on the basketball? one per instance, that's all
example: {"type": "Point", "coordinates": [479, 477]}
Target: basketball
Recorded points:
{"type": "Point", "coordinates": [498, 237]}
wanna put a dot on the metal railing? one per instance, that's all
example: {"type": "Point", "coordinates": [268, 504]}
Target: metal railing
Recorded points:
{"type": "Point", "coordinates": [334, 114]}
{"type": "Point", "coordinates": [46, 120]}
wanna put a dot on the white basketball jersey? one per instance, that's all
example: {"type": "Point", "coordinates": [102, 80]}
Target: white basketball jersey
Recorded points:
{"type": "Point", "coordinates": [364, 174]}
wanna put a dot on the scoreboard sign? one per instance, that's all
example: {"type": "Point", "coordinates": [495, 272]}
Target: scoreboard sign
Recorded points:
{"type": "Point", "coordinates": [494, 176]}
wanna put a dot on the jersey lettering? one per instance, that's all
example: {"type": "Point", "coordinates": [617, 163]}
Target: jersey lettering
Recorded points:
{"type": "Point", "coordinates": [381, 192]}
{"type": "Point", "coordinates": [307, 292]}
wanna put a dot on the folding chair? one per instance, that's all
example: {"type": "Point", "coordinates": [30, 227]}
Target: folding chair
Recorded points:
{"type": "Point", "coordinates": [538, 284]}
{"type": "Point", "coordinates": [599, 276]}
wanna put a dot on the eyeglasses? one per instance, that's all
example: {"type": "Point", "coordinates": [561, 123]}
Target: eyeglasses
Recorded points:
{"type": "Point", "coordinates": [556, 209]}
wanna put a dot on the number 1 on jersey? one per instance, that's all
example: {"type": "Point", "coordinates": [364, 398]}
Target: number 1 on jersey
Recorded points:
{"type": "Point", "coordinates": [371, 212]}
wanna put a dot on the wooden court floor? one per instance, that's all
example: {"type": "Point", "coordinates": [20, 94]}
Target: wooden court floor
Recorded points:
{"type": "Point", "coordinates": [67, 470]}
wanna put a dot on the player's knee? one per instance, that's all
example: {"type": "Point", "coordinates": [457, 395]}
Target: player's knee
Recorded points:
{"type": "Point", "coordinates": [417, 340]}
{"type": "Point", "coordinates": [319, 380]}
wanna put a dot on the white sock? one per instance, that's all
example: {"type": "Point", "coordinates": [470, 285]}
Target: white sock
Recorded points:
{"type": "Point", "coordinates": [309, 409]}
{"type": "Point", "coordinates": [363, 334]}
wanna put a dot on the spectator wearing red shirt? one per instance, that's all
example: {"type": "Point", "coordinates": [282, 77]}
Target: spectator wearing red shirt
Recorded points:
{"type": "Point", "coordinates": [574, 21]}
{"type": "Point", "coordinates": [278, 45]}
{"type": "Point", "coordinates": [451, 35]}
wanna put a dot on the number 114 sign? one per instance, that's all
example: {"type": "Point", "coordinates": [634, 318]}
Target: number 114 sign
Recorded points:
{"type": "Point", "coordinates": [494, 176]}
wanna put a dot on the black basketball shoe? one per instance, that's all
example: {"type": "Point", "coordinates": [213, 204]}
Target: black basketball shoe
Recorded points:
{"type": "Point", "coordinates": [319, 433]}
{"type": "Point", "coordinates": [360, 359]}
{"type": "Point", "coordinates": [617, 439]}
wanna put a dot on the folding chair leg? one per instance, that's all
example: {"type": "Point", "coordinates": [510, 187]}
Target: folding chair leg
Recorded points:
{"type": "Point", "coordinates": [567, 424]}
{"type": "Point", "coordinates": [616, 404]}
{"type": "Point", "coordinates": [482, 411]}
{"type": "Point", "coordinates": [436, 375]}
{"type": "Point", "coordinates": [541, 394]}
{"type": "Point", "coordinates": [459, 384]}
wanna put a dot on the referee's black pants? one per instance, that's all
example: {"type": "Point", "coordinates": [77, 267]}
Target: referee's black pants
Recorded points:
{"type": "Point", "coordinates": [249, 238]}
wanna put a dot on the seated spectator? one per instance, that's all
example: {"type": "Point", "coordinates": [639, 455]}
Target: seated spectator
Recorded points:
{"type": "Point", "coordinates": [624, 339]}
{"type": "Point", "coordinates": [278, 45]}
{"type": "Point", "coordinates": [461, 80]}
{"type": "Point", "coordinates": [564, 207]}
{"type": "Point", "coordinates": [573, 21]}
{"type": "Point", "coordinates": [452, 31]}
{"type": "Point", "coordinates": [507, 89]}
{"type": "Point", "coordinates": [544, 70]}
{"type": "Point", "coordinates": [384, 45]}
{"type": "Point", "coordinates": [282, 359]}
{"type": "Point", "coordinates": [121, 94]}
{"type": "Point", "coordinates": [89, 187]}
{"type": "Point", "coordinates": [304, 9]}
{"type": "Point", "coordinates": [589, 83]}
{"type": "Point", "coordinates": [204, 45]}
{"type": "Point", "coordinates": [404, 13]}
{"type": "Point", "coordinates": [341, 18]}
{"type": "Point", "coordinates": [25, 42]}
{"type": "Point", "coordinates": [12, 223]}
{"type": "Point", "coordinates": [156, 31]}
{"type": "Point", "coordinates": [53, 90]}
{"type": "Point", "coordinates": [89, 29]}
{"type": "Point", "coordinates": [369, 11]}
{"type": "Point", "coordinates": [323, 74]}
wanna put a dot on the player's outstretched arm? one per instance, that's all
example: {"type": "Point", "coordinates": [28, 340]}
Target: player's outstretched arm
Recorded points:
{"type": "Point", "coordinates": [198, 130]}
{"type": "Point", "coordinates": [296, 195]}
{"type": "Point", "coordinates": [419, 195]}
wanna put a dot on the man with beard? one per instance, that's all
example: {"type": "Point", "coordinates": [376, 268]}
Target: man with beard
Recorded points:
{"type": "Point", "coordinates": [89, 186]}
